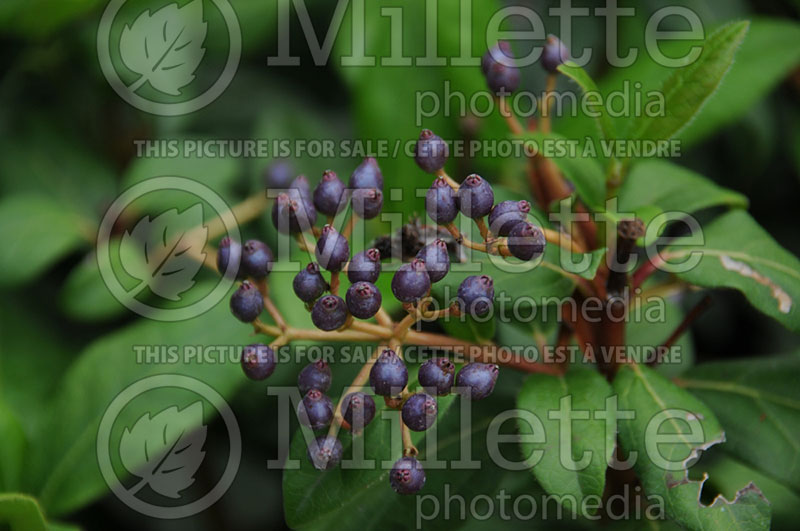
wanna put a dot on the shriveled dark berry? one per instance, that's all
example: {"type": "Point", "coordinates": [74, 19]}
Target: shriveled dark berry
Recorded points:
{"type": "Point", "coordinates": [365, 266]}
{"type": "Point", "coordinates": [246, 303]}
{"type": "Point", "coordinates": [419, 412]}
{"type": "Point", "coordinates": [367, 175]}
{"type": "Point", "coordinates": [506, 214]}
{"type": "Point", "coordinates": [407, 476]}
{"type": "Point", "coordinates": [278, 175]}
{"type": "Point", "coordinates": [475, 197]}
{"type": "Point", "coordinates": [329, 313]}
{"type": "Point", "coordinates": [330, 196]}
{"type": "Point", "coordinates": [441, 202]}
{"type": "Point", "coordinates": [526, 241]}
{"type": "Point", "coordinates": [291, 215]}
{"type": "Point", "coordinates": [358, 409]}
{"type": "Point", "coordinates": [258, 361]}
{"type": "Point", "coordinates": [477, 380]}
{"type": "Point", "coordinates": [499, 68]}
{"type": "Point", "coordinates": [430, 152]}
{"type": "Point", "coordinates": [229, 254]}
{"type": "Point", "coordinates": [309, 284]}
{"type": "Point", "coordinates": [411, 281]}
{"type": "Point", "coordinates": [437, 260]}
{"type": "Point", "coordinates": [555, 54]}
{"type": "Point", "coordinates": [256, 259]}
{"type": "Point", "coordinates": [367, 202]}
{"type": "Point", "coordinates": [325, 452]}
{"type": "Point", "coordinates": [316, 375]}
{"type": "Point", "coordinates": [436, 375]}
{"type": "Point", "coordinates": [332, 250]}
{"type": "Point", "coordinates": [476, 295]}
{"type": "Point", "coordinates": [363, 300]}
{"type": "Point", "coordinates": [316, 410]}
{"type": "Point", "coordinates": [388, 376]}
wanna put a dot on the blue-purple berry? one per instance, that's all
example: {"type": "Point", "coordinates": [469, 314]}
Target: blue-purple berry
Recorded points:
{"type": "Point", "coordinates": [476, 295]}
{"type": "Point", "coordinates": [441, 202]}
{"type": "Point", "coordinates": [365, 266]}
{"type": "Point", "coordinates": [316, 410]}
{"type": "Point", "coordinates": [363, 300]}
{"type": "Point", "coordinates": [301, 186]}
{"type": "Point", "coordinates": [329, 313]}
{"type": "Point", "coordinates": [437, 260]}
{"type": "Point", "coordinates": [506, 214]}
{"type": "Point", "coordinates": [436, 375]}
{"type": "Point", "coordinates": [419, 412]}
{"type": "Point", "coordinates": [411, 281]}
{"type": "Point", "coordinates": [256, 259]}
{"type": "Point", "coordinates": [332, 249]}
{"type": "Point", "coordinates": [407, 476]}
{"type": "Point", "coordinates": [555, 54]}
{"type": "Point", "coordinates": [475, 197]}
{"type": "Point", "coordinates": [246, 303]}
{"type": "Point", "coordinates": [278, 175]}
{"type": "Point", "coordinates": [526, 241]}
{"type": "Point", "coordinates": [258, 361]}
{"type": "Point", "coordinates": [325, 452]}
{"type": "Point", "coordinates": [367, 175]}
{"type": "Point", "coordinates": [499, 52]}
{"type": "Point", "coordinates": [229, 254]}
{"type": "Point", "coordinates": [430, 151]}
{"type": "Point", "coordinates": [309, 284]}
{"type": "Point", "coordinates": [367, 202]}
{"type": "Point", "coordinates": [500, 70]}
{"type": "Point", "coordinates": [316, 375]}
{"type": "Point", "coordinates": [330, 195]}
{"type": "Point", "coordinates": [389, 375]}
{"type": "Point", "coordinates": [358, 409]}
{"type": "Point", "coordinates": [476, 380]}
{"type": "Point", "coordinates": [293, 214]}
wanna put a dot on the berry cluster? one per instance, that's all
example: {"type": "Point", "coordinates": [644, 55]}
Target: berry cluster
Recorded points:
{"type": "Point", "coordinates": [295, 212]}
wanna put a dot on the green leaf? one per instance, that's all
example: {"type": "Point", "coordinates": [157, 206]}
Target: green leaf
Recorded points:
{"type": "Point", "coordinates": [63, 470]}
{"type": "Point", "coordinates": [587, 84]}
{"type": "Point", "coordinates": [725, 473]}
{"type": "Point", "coordinates": [85, 295]}
{"type": "Point", "coordinates": [688, 89]}
{"type": "Point", "coordinates": [38, 18]}
{"type": "Point", "coordinates": [672, 188]}
{"type": "Point", "coordinates": [39, 158]}
{"type": "Point", "coordinates": [12, 448]}
{"type": "Point", "coordinates": [37, 232]}
{"type": "Point", "coordinates": [21, 513]}
{"type": "Point", "coordinates": [27, 381]}
{"type": "Point", "coordinates": [739, 254]}
{"type": "Point", "coordinates": [590, 445]}
{"type": "Point", "coordinates": [650, 326]}
{"type": "Point", "coordinates": [766, 57]}
{"type": "Point", "coordinates": [758, 404]}
{"type": "Point", "coordinates": [669, 431]}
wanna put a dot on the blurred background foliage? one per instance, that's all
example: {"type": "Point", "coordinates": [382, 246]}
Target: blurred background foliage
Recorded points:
{"type": "Point", "coordinates": [66, 151]}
